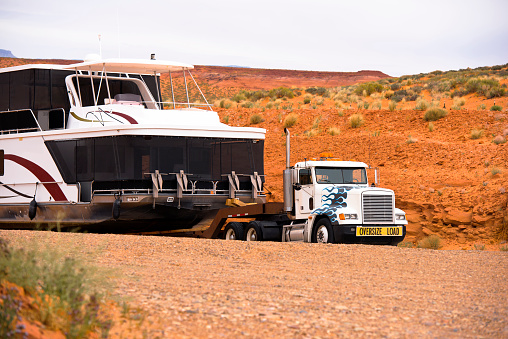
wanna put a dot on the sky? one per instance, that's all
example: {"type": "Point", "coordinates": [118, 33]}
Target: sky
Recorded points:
{"type": "Point", "coordinates": [397, 37]}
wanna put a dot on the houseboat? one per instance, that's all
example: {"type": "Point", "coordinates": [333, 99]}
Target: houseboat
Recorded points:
{"type": "Point", "coordinates": [92, 146]}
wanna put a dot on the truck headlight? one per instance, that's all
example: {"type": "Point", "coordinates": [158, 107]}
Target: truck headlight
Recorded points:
{"type": "Point", "coordinates": [400, 217]}
{"type": "Point", "coordinates": [352, 216]}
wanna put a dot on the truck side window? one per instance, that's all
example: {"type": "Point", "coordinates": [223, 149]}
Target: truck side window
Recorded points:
{"type": "Point", "coordinates": [304, 177]}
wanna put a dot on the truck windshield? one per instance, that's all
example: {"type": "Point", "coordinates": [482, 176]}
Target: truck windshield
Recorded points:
{"type": "Point", "coordinates": [329, 175]}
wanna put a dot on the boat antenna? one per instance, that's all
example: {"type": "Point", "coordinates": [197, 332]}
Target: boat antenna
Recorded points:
{"type": "Point", "coordinates": [100, 46]}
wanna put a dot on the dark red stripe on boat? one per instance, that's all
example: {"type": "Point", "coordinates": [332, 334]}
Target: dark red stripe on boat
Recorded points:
{"type": "Point", "coordinates": [126, 117]}
{"type": "Point", "coordinates": [41, 174]}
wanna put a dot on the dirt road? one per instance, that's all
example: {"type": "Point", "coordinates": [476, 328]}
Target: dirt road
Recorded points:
{"type": "Point", "coordinates": [215, 288]}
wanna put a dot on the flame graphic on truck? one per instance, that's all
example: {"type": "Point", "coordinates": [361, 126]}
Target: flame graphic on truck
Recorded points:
{"type": "Point", "coordinates": [334, 199]}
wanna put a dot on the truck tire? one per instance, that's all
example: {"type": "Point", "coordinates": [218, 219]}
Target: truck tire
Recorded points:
{"type": "Point", "coordinates": [322, 232]}
{"type": "Point", "coordinates": [234, 231]}
{"type": "Point", "coordinates": [253, 232]}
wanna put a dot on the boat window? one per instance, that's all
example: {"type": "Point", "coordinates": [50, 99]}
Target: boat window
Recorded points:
{"type": "Point", "coordinates": [123, 87]}
{"type": "Point", "coordinates": [130, 157]}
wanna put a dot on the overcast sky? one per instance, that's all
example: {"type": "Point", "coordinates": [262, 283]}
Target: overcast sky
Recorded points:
{"type": "Point", "coordinates": [394, 36]}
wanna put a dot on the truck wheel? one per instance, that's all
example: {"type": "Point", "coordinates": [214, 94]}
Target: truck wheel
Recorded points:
{"type": "Point", "coordinates": [253, 232]}
{"type": "Point", "coordinates": [322, 232]}
{"type": "Point", "coordinates": [234, 231]}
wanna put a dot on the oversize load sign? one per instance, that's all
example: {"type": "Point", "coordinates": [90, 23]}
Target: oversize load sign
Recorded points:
{"type": "Point", "coordinates": [378, 231]}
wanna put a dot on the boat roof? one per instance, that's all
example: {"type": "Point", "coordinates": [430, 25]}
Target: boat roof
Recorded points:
{"type": "Point", "coordinates": [131, 66]}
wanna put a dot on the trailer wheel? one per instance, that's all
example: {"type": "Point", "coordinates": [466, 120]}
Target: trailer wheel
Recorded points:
{"type": "Point", "coordinates": [253, 232]}
{"type": "Point", "coordinates": [234, 231]}
{"type": "Point", "coordinates": [322, 232]}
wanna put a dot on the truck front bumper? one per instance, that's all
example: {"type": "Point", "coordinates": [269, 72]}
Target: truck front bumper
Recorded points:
{"type": "Point", "coordinates": [386, 234]}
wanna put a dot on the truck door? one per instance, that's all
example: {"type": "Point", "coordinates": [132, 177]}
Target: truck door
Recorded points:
{"type": "Point", "coordinates": [304, 197]}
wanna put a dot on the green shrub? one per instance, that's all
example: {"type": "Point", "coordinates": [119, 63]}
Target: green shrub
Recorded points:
{"type": "Point", "coordinates": [434, 113]}
{"type": "Point", "coordinates": [479, 247]}
{"type": "Point", "coordinates": [495, 171]}
{"type": "Point", "coordinates": [290, 120]}
{"type": "Point", "coordinates": [256, 119]}
{"type": "Point", "coordinates": [481, 107]}
{"type": "Point", "coordinates": [248, 104]}
{"type": "Point", "coordinates": [389, 94]}
{"type": "Point", "coordinates": [281, 92]}
{"type": "Point", "coordinates": [224, 103]}
{"type": "Point", "coordinates": [366, 105]}
{"type": "Point", "coordinates": [307, 99]}
{"type": "Point", "coordinates": [355, 120]}
{"type": "Point", "coordinates": [431, 242]}
{"type": "Point", "coordinates": [392, 106]}
{"type": "Point", "coordinates": [496, 108]}
{"type": "Point", "coordinates": [476, 133]}
{"type": "Point", "coordinates": [318, 91]}
{"type": "Point", "coordinates": [239, 97]}
{"type": "Point", "coordinates": [226, 119]}
{"type": "Point", "coordinates": [367, 88]}
{"type": "Point", "coordinates": [67, 291]}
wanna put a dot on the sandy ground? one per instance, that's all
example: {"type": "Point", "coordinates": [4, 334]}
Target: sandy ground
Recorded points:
{"type": "Point", "coordinates": [200, 288]}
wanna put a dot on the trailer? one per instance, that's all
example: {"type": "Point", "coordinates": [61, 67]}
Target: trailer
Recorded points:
{"type": "Point", "coordinates": [325, 201]}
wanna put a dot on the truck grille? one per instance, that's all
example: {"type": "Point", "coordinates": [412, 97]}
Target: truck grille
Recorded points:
{"type": "Point", "coordinates": [378, 208]}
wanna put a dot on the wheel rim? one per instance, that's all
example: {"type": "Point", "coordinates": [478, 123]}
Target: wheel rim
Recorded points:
{"type": "Point", "coordinates": [230, 234]}
{"type": "Point", "coordinates": [252, 235]}
{"type": "Point", "coordinates": [322, 234]}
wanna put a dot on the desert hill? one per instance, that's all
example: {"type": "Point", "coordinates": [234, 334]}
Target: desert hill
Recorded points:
{"type": "Point", "coordinates": [449, 174]}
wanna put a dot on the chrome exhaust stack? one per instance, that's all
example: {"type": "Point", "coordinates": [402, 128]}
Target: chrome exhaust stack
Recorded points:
{"type": "Point", "coordinates": [287, 177]}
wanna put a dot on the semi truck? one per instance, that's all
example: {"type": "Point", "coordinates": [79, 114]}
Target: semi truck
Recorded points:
{"type": "Point", "coordinates": [325, 201]}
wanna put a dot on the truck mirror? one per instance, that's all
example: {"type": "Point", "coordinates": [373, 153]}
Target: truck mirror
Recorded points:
{"type": "Point", "coordinates": [297, 186]}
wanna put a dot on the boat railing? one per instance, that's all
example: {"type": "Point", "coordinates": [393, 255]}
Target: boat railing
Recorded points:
{"type": "Point", "coordinates": [43, 122]}
{"type": "Point", "coordinates": [175, 105]}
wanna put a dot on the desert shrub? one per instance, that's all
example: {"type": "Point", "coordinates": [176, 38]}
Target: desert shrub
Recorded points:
{"type": "Point", "coordinates": [366, 105]}
{"type": "Point", "coordinates": [422, 105]}
{"type": "Point", "coordinates": [281, 92]}
{"type": "Point", "coordinates": [224, 103]}
{"type": "Point", "coordinates": [226, 119]}
{"type": "Point", "coordinates": [334, 131]}
{"type": "Point", "coordinates": [239, 97]}
{"type": "Point", "coordinates": [411, 140]}
{"type": "Point", "coordinates": [307, 99]}
{"type": "Point", "coordinates": [68, 292]}
{"type": "Point", "coordinates": [431, 242]}
{"type": "Point", "coordinates": [392, 106]}
{"type": "Point", "coordinates": [434, 113]}
{"type": "Point", "coordinates": [318, 91]}
{"type": "Point", "coordinates": [481, 107]}
{"type": "Point", "coordinates": [405, 244]}
{"type": "Point", "coordinates": [376, 104]}
{"type": "Point", "coordinates": [496, 108]}
{"type": "Point", "coordinates": [495, 92]}
{"type": "Point", "coordinates": [248, 104]}
{"type": "Point", "coordinates": [256, 119]}
{"type": "Point", "coordinates": [312, 132]}
{"type": "Point", "coordinates": [355, 120]}
{"type": "Point", "coordinates": [498, 140]}
{"type": "Point", "coordinates": [340, 112]}
{"type": "Point", "coordinates": [495, 171]}
{"type": "Point", "coordinates": [459, 102]}
{"type": "Point", "coordinates": [389, 94]}
{"type": "Point", "coordinates": [481, 86]}
{"type": "Point", "coordinates": [352, 99]}
{"type": "Point", "coordinates": [367, 88]}
{"type": "Point", "coordinates": [290, 120]}
{"type": "Point", "coordinates": [395, 86]}
{"type": "Point", "coordinates": [431, 127]}
{"type": "Point", "coordinates": [476, 133]}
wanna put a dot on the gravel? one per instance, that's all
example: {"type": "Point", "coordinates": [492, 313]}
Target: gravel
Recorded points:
{"type": "Point", "coordinates": [215, 288]}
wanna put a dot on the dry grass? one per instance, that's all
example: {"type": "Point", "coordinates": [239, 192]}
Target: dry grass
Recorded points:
{"type": "Point", "coordinates": [431, 242]}
{"type": "Point", "coordinates": [290, 120]}
{"type": "Point", "coordinates": [476, 133]}
{"type": "Point", "coordinates": [434, 113]}
{"type": "Point", "coordinates": [334, 131]}
{"type": "Point", "coordinates": [356, 120]}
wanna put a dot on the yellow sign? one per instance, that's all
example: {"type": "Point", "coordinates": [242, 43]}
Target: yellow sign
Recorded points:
{"type": "Point", "coordinates": [379, 231]}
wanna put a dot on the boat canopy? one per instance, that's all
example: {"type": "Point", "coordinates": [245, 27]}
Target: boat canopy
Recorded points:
{"type": "Point", "coordinates": [134, 66]}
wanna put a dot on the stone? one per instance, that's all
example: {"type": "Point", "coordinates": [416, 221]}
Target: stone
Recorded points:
{"type": "Point", "coordinates": [456, 217]}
